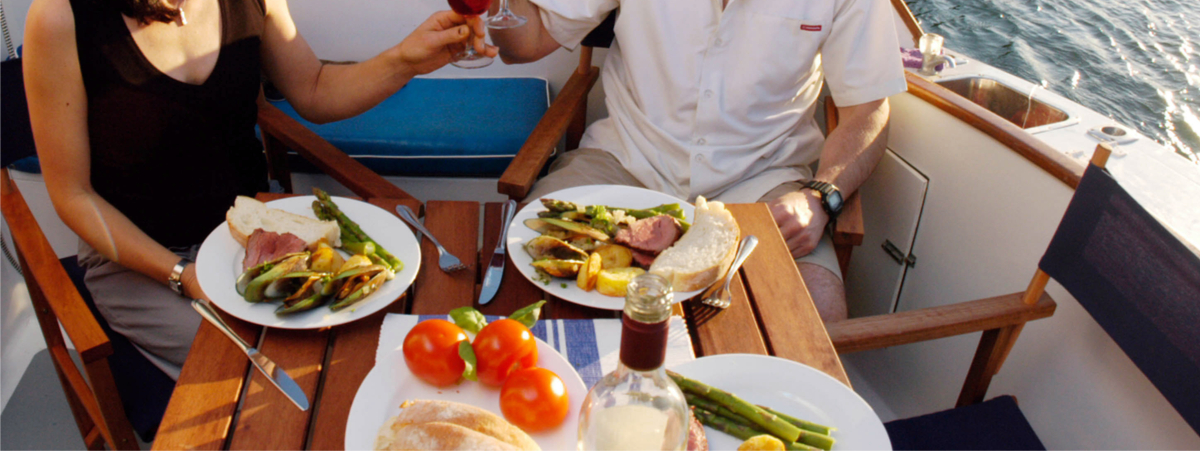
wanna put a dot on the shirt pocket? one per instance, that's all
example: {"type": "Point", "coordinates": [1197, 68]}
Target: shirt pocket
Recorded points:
{"type": "Point", "coordinates": [782, 40]}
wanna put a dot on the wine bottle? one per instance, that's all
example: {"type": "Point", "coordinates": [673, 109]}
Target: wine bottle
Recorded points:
{"type": "Point", "coordinates": [637, 406]}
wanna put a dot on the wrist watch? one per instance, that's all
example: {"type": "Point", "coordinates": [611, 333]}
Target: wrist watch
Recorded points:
{"type": "Point", "coordinates": [175, 279]}
{"type": "Point", "coordinates": [831, 198]}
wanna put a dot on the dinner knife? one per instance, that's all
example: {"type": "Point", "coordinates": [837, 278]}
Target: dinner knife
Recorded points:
{"type": "Point", "coordinates": [495, 271]}
{"type": "Point", "coordinates": [277, 376]}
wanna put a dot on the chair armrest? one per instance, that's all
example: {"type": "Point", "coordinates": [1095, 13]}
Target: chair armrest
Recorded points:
{"type": "Point", "coordinates": [518, 179]}
{"type": "Point", "coordinates": [848, 230]}
{"type": "Point", "coordinates": [881, 331]}
{"type": "Point", "coordinates": [49, 279]}
{"type": "Point", "coordinates": [323, 155]}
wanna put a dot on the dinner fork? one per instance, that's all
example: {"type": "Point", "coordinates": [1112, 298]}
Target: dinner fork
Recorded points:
{"type": "Point", "coordinates": [718, 295]}
{"type": "Point", "coordinates": [447, 261]}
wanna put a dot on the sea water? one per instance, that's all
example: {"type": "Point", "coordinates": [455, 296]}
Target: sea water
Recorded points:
{"type": "Point", "coordinates": [1136, 61]}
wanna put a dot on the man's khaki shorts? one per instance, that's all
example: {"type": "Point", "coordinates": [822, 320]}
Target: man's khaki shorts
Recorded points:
{"type": "Point", "coordinates": [596, 167]}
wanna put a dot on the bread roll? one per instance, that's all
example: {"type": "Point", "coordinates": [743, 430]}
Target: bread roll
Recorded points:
{"type": "Point", "coordinates": [435, 436]}
{"type": "Point", "coordinates": [248, 214]}
{"type": "Point", "coordinates": [399, 431]}
{"type": "Point", "coordinates": [704, 253]}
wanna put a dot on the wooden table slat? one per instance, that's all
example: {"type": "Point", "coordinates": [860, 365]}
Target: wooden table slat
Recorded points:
{"type": "Point", "coordinates": [268, 419]}
{"type": "Point", "coordinates": [456, 226]}
{"type": "Point", "coordinates": [717, 331]}
{"type": "Point", "coordinates": [789, 318]}
{"type": "Point", "coordinates": [206, 397]}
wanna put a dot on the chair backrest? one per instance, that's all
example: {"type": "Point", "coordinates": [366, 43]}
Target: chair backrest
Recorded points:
{"type": "Point", "coordinates": [16, 140]}
{"type": "Point", "coordinates": [94, 401]}
{"type": "Point", "coordinates": [1137, 280]}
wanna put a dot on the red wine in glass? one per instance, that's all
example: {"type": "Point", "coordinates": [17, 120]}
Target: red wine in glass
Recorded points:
{"type": "Point", "coordinates": [468, 58]}
{"type": "Point", "coordinates": [470, 7]}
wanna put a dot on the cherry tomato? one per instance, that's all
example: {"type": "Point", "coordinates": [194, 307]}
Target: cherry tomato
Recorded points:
{"type": "Point", "coordinates": [502, 347]}
{"type": "Point", "coordinates": [534, 399]}
{"type": "Point", "coordinates": [431, 351]}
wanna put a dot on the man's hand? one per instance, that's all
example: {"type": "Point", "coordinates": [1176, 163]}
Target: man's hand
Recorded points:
{"type": "Point", "coordinates": [434, 43]}
{"type": "Point", "coordinates": [801, 220]}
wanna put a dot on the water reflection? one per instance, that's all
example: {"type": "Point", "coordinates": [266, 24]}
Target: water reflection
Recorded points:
{"type": "Point", "coordinates": [1135, 61]}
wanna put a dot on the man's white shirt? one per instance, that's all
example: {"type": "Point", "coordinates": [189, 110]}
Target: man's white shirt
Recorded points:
{"type": "Point", "coordinates": [720, 103]}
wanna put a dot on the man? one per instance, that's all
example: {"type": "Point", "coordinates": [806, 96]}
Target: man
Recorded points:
{"type": "Point", "coordinates": [716, 98]}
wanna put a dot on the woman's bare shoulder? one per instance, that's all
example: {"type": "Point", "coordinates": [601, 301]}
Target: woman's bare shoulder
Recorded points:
{"type": "Point", "coordinates": [50, 20]}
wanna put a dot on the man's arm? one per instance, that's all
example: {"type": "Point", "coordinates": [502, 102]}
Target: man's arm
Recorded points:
{"type": "Point", "coordinates": [527, 43]}
{"type": "Point", "coordinates": [329, 92]}
{"type": "Point", "coordinates": [850, 154]}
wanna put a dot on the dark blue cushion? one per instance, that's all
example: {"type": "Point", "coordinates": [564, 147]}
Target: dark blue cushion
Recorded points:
{"type": "Point", "coordinates": [994, 424]}
{"type": "Point", "coordinates": [144, 389]}
{"type": "Point", "coordinates": [439, 127]}
{"type": "Point", "coordinates": [28, 164]}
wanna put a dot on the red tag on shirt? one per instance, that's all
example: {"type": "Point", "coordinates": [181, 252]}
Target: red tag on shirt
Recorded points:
{"type": "Point", "coordinates": [810, 27]}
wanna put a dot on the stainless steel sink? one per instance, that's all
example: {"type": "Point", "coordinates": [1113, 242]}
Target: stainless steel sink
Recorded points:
{"type": "Point", "coordinates": [1015, 106]}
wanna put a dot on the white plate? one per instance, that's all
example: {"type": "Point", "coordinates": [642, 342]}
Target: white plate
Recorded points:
{"type": "Point", "coordinates": [792, 388]}
{"type": "Point", "coordinates": [219, 264]}
{"type": "Point", "coordinates": [611, 195]}
{"type": "Point", "coordinates": [390, 383]}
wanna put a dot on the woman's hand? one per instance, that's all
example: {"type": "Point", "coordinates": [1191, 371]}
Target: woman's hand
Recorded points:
{"type": "Point", "coordinates": [434, 43]}
{"type": "Point", "coordinates": [191, 284]}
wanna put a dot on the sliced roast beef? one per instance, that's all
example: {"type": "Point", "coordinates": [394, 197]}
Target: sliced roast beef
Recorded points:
{"type": "Point", "coordinates": [651, 235]}
{"type": "Point", "coordinates": [263, 246]}
{"type": "Point", "coordinates": [643, 259]}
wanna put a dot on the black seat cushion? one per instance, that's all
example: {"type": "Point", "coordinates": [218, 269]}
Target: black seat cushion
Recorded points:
{"type": "Point", "coordinates": [994, 424]}
{"type": "Point", "coordinates": [144, 389]}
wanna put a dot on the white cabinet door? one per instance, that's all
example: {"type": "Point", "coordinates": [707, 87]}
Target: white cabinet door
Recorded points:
{"type": "Point", "coordinates": [892, 200]}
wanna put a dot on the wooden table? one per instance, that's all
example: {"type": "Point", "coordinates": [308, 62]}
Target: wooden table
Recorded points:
{"type": "Point", "coordinates": [220, 402]}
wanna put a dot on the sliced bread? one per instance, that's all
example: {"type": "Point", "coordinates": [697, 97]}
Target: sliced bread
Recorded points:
{"type": "Point", "coordinates": [704, 253]}
{"type": "Point", "coordinates": [248, 214]}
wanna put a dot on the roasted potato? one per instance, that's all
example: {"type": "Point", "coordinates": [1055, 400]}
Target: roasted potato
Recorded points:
{"type": "Point", "coordinates": [615, 256]}
{"type": "Point", "coordinates": [325, 259]}
{"type": "Point", "coordinates": [612, 282]}
{"type": "Point", "coordinates": [589, 273]}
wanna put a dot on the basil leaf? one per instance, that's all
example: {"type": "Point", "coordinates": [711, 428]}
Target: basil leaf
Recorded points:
{"type": "Point", "coordinates": [468, 355]}
{"type": "Point", "coordinates": [529, 314]}
{"type": "Point", "coordinates": [469, 319]}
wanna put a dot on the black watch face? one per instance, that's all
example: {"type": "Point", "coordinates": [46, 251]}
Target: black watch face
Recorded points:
{"type": "Point", "coordinates": [835, 201]}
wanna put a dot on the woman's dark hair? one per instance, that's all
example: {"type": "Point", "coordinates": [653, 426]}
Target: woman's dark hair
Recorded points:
{"type": "Point", "coordinates": [146, 11]}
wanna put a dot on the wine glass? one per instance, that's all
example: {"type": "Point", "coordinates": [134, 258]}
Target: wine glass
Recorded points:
{"type": "Point", "coordinates": [505, 18]}
{"type": "Point", "coordinates": [469, 58]}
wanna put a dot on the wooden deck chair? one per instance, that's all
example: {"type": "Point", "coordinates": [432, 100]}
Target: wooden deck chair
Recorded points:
{"type": "Point", "coordinates": [1137, 280]}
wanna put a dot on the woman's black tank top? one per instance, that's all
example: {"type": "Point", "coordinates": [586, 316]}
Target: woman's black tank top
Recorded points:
{"type": "Point", "coordinates": [170, 155]}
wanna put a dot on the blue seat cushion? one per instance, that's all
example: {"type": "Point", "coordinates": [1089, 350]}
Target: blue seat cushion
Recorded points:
{"type": "Point", "coordinates": [994, 424]}
{"type": "Point", "coordinates": [467, 127]}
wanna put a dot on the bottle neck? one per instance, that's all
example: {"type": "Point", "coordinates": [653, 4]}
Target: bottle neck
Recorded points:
{"type": "Point", "coordinates": [643, 345]}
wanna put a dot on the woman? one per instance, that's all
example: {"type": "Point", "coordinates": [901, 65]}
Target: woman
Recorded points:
{"type": "Point", "coordinates": [143, 112]}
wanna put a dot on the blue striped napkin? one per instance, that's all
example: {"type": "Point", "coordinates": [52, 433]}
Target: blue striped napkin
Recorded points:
{"type": "Point", "coordinates": [590, 345]}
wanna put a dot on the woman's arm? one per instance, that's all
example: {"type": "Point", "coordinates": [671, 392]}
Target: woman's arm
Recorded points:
{"type": "Point", "coordinates": [58, 113]}
{"type": "Point", "coordinates": [328, 92]}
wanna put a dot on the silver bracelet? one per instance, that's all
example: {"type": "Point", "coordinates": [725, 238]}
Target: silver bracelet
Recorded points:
{"type": "Point", "coordinates": [175, 279]}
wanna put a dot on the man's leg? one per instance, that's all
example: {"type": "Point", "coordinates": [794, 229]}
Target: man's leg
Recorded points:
{"type": "Point", "coordinates": [819, 268]}
{"type": "Point", "coordinates": [581, 167]}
